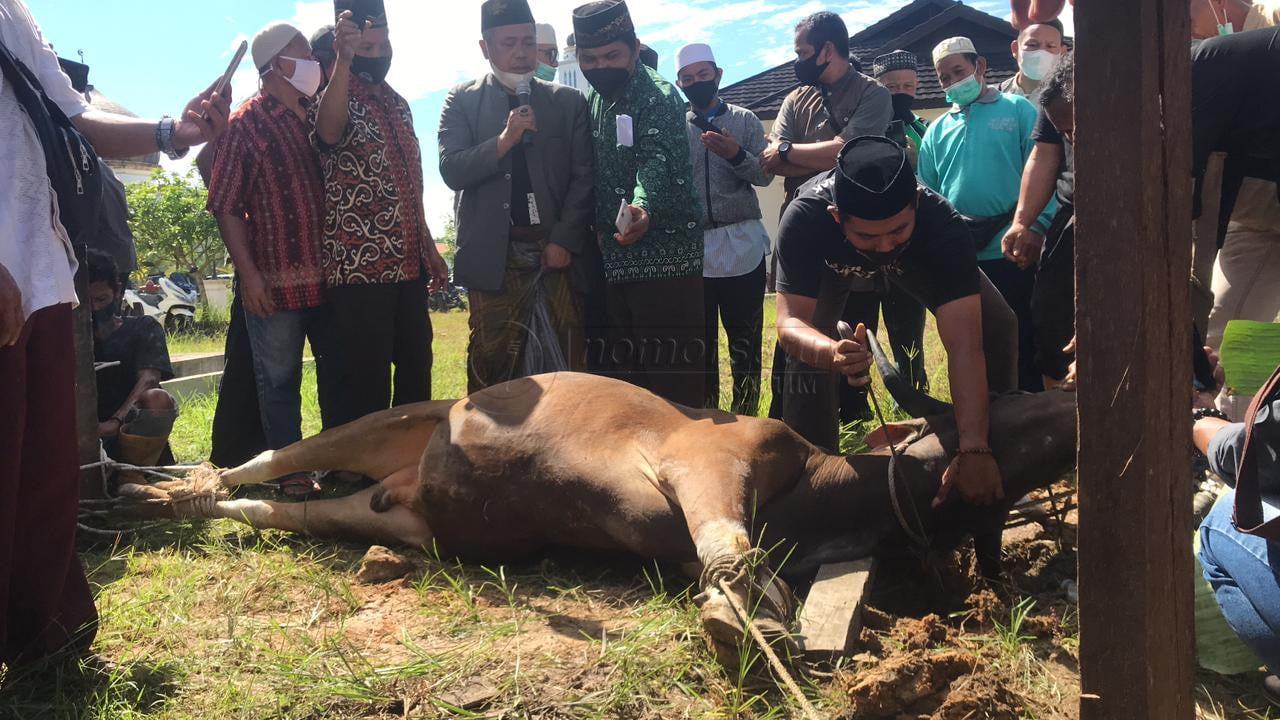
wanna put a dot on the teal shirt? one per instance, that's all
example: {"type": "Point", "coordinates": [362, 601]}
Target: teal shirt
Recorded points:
{"type": "Point", "coordinates": [974, 158]}
{"type": "Point", "coordinates": [655, 173]}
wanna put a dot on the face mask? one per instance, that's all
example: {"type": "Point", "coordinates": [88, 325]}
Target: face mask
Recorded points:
{"type": "Point", "coordinates": [509, 79]}
{"type": "Point", "coordinates": [306, 75]}
{"type": "Point", "coordinates": [1037, 64]}
{"type": "Point", "coordinates": [1224, 27]}
{"type": "Point", "coordinates": [102, 317]}
{"type": "Point", "coordinates": [372, 70]}
{"type": "Point", "coordinates": [808, 72]}
{"type": "Point", "coordinates": [964, 92]}
{"type": "Point", "coordinates": [701, 94]}
{"type": "Point", "coordinates": [902, 107]}
{"type": "Point", "coordinates": [545, 73]}
{"type": "Point", "coordinates": [608, 81]}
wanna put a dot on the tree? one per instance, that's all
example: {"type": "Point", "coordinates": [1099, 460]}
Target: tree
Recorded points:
{"type": "Point", "coordinates": [171, 227]}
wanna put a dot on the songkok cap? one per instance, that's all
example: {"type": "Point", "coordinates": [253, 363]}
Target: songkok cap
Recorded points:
{"type": "Point", "coordinates": [322, 45]}
{"type": "Point", "coordinates": [953, 46]}
{"type": "Point", "coordinates": [874, 181]}
{"type": "Point", "coordinates": [376, 10]}
{"type": "Point", "coordinates": [270, 41]}
{"type": "Point", "coordinates": [599, 23]}
{"type": "Point", "coordinates": [694, 53]}
{"type": "Point", "coordinates": [499, 13]}
{"type": "Point", "coordinates": [896, 60]}
{"type": "Point", "coordinates": [546, 34]}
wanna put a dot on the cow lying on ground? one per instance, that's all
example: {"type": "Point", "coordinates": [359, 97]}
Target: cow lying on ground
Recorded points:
{"type": "Point", "coordinates": [585, 461]}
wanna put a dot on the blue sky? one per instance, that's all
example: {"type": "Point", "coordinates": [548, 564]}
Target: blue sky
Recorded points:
{"type": "Point", "coordinates": [154, 56]}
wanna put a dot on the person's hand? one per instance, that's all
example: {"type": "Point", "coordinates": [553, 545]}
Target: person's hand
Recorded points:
{"type": "Point", "coordinates": [257, 296]}
{"type": "Point", "coordinates": [437, 267]}
{"type": "Point", "coordinates": [10, 309]}
{"type": "Point", "coordinates": [976, 476]}
{"type": "Point", "coordinates": [555, 257]}
{"type": "Point", "coordinates": [1208, 398]}
{"type": "Point", "coordinates": [204, 119]}
{"type": "Point", "coordinates": [852, 359]}
{"type": "Point", "coordinates": [345, 36]}
{"type": "Point", "coordinates": [770, 159]}
{"type": "Point", "coordinates": [519, 121]}
{"type": "Point", "coordinates": [1069, 382]}
{"type": "Point", "coordinates": [639, 227]}
{"type": "Point", "coordinates": [1022, 246]}
{"type": "Point", "coordinates": [109, 427]}
{"type": "Point", "coordinates": [721, 143]}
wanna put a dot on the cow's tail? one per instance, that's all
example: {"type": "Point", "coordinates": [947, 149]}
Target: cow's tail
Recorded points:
{"type": "Point", "coordinates": [912, 400]}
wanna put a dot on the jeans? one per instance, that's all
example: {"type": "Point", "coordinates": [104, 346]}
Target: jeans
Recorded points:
{"type": "Point", "coordinates": [277, 342]}
{"type": "Point", "coordinates": [1242, 570]}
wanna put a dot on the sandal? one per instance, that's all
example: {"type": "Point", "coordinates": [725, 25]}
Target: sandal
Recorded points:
{"type": "Point", "coordinates": [298, 486]}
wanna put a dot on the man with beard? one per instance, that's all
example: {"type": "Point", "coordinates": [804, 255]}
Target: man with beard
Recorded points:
{"type": "Point", "coordinates": [518, 149]}
{"type": "Point", "coordinates": [725, 142]}
{"type": "Point", "coordinates": [647, 215]}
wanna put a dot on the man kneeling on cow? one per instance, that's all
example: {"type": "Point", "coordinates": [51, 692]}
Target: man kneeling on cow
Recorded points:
{"type": "Point", "coordinates": [869, 218]}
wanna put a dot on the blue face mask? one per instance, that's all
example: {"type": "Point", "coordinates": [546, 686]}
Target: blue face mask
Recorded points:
{"type": "Point", "coordinates": [545, 73]}
{"type": "Point", "coordinates": [965, 91]}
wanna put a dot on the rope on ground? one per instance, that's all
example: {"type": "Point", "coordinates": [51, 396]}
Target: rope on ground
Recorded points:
{"type": "Point", "coordinates": [160, 471]}
{"type": "Point", "coordinates": [774, 661]}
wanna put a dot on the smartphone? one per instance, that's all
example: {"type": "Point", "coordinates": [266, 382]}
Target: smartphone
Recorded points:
{"type": "Point", "coordinates": [231, 69]}
{"type": "Point", "coordinates": [361, 10]}
{"type": "Point", "coordinates": [623, 221]}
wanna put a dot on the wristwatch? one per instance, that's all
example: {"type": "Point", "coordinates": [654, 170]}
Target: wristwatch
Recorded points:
{"type": "Point", "coordinates": [784, 149]}
{"type": "Point", "coordinates": [164, 139]}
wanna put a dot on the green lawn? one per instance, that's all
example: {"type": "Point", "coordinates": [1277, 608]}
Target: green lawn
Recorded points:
{"type": "Point", "coordinates": [191, 442]}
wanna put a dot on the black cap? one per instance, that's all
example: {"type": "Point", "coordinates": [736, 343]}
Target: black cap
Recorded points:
{"type": "Point", "coordinates": [896, 60]}
{"type": "Point", "coordinates": [597, 24]}
{"type": "Point", "coordinates": [322, 45]}
{"type": "Point", "coordinates": [498, 13]}
{"type": "Point", "coordinates": [649, 56]}
{"type": "Point", "coordinates": [874, 180]}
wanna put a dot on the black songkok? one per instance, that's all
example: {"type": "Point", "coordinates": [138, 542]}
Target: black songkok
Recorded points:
{"type": "Point", "coordinates": [896, 60]}
{"type": "Point", "coordinates": [597, 24]}
{"type": "Point", "coordinates": [498, 13]}
{"type": "Point", "coordinates": [874, 181]}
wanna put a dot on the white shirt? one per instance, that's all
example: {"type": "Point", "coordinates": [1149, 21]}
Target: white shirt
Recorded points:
{"type": "Point", "coordinates": [734, 250]}
{"type": "Point", "coordinates": [34, 247]}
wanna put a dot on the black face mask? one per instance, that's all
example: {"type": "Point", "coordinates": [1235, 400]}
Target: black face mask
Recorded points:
{"type": "Point", "coordinates": [372, 70]}
{"type": "Point", "coordinates": [102, 317]}
{"type": "Point", "coordinates": [902, 108]}
{"type": "Point", "coordinates": [808, 72]}
{"type": "Point", "coordinates": [608, 81]}
{"type": "Point", "coordinates": [885, 258]}
{"type": "Point", "coordinates": [701, 94]}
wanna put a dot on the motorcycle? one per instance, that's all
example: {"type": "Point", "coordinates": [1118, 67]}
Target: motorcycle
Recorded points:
{"type": "Point", "coordinates": [451, 297]}
{"type": "Point", "coordinates": [170, 303]}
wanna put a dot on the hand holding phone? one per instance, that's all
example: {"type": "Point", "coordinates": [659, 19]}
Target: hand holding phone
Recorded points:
{"type": "Point", "coordinates": [220, 86]}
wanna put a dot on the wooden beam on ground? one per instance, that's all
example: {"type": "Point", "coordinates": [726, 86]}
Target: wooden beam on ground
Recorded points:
{"type": "Point", "coordinates": [1133, 261]}
{"type": "Point", "coordinates": [832, 616]}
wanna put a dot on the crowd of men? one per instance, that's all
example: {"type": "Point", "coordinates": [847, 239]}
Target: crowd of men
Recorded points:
{"type": "Point", "coordinates": [626, 217]}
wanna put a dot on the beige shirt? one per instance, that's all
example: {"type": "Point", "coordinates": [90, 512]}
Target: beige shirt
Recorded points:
{"type": "Point", "coordinates": [861, 105]}
{"type": "Point", "coordinates": [1262, 15]}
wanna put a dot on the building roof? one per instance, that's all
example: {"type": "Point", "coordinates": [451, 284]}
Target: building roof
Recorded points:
{"type": "Point", "coordinates": [917, 26]}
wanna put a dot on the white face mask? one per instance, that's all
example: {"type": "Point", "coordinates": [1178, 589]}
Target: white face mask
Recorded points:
{"type": "Point", "coordinates": [1037, 64]}
{"type": "Point", "coordinates": [511, 80]}
{"type": "Point", "coordinates": [306, 76]}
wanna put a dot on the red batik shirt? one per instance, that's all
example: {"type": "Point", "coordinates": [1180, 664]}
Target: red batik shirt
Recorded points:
{"type": "Point", "coordinates": [375, 227]}
{"type": "Point", "coordinates": [266, 170]}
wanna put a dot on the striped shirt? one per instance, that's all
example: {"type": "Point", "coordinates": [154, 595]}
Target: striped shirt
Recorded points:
{"type": "Point", "coordinates": [266, 170]}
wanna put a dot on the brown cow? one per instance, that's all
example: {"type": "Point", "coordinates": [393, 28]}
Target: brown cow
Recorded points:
{"type": "Point", "coordinates": [585, 461]}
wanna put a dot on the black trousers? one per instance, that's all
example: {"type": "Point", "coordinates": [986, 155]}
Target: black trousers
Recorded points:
{"type": "Point", "coordinates": [904, 320]}
{"type": "Point", "coordinates": [1016, 286]}
{"type": "Point", "coordinates": [374, 328]}
{"type": "Point", "coordinates": [657, 337]}
{"type": "Point", "coordinates": [1053, 308]}
{"type": "Point", "coordinates": [237, 425]}
{"type": "Point", "coordinates": [738, 302]}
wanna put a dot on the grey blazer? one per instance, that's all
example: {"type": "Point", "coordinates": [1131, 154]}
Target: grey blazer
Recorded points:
{"type": "Point", "coordinates": [560, 165]}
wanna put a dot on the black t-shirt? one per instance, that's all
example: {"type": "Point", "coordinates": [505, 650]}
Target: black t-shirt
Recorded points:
{"type": "Point", "coordinates": [1047, 132]}
{"type": "Point", "coordinates": [521, 186]}
{"type": "Point", "coordinates": [138, 344]}
{"type": "Point", "coordinates": [938, 266]}
{"type": "Point", "coordinates": [1235, 98]}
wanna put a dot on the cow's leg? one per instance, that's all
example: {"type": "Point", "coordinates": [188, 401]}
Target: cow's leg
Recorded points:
{"type": "Point", "coordinates": [346, 518]}
{"type": "Point", "coordinates": [376, 445]}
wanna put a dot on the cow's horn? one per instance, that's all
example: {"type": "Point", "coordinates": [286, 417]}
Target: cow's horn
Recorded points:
{"type": "Point", "coordinates": [915, 402]}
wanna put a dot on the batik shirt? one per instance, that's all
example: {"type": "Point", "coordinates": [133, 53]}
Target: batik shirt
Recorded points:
{"type": "Point", "coordinates": [654, 174]}
{"type": "Point", "coordinates": [375, 228]}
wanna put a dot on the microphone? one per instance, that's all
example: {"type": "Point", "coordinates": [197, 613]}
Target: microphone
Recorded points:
{"type": "Point", "coordinates": [522, 97]}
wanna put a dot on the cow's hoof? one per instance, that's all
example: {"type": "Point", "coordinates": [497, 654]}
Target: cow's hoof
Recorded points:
{"type": "Point", "coordinates": [731, 642]}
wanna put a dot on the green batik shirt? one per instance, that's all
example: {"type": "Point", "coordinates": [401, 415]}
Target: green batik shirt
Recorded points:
{"type": "Point", "coordinates": [654, 174]}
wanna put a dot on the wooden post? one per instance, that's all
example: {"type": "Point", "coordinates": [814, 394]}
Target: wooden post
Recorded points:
{"type": "Point", "coordinates": [1133, 261]}
{"type": "Point", "coordinates": [86, 383]}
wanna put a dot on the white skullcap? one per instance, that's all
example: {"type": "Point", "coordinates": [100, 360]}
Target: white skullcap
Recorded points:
{"type": "Point", "coordinates": [694, 53]}
{"type": "Point", "coordinates": [546, 34]}
{"type": "Point", "coordinates": [953, 46]}
{"type": "Point", "coordinates": [270, 40]}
